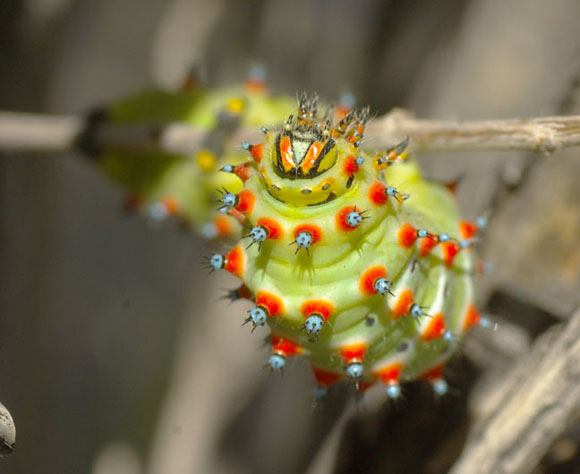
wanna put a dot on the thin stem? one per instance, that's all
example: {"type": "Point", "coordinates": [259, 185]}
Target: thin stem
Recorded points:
{"type": "Point", "coordinates": [545, 134]}
{"type": "Point", "coordinates": [38, 133]}
{"type": "Point", "coordinates": [46, 133]}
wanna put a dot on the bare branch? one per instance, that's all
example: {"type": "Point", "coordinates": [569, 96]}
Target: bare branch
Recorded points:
{"type": "Point", "coordinates": [45, 133]}
{"type": "Point", "coordinates": [541, 396]}
{"type": "Point", "coordinates": [546, 134]}
{"type": "Point", "coordinates": [38, 133]}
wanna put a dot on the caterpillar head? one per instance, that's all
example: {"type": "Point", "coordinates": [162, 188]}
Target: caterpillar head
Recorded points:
{"type": "Point", "coordinates": [309, 161]}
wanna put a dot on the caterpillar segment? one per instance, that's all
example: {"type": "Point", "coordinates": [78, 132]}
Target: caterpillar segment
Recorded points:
{"type": "Point", "coordinates": [183, 187]}
{"type": "Point", "coordinates": [356, 262]}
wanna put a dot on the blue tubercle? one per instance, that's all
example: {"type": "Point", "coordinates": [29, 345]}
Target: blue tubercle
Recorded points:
{"type": "Point", "coordinates": [354, 218]}
{"type": "Point", "coordinates": [277, 362]}
{"type": "Point", "coordinates": [354, 370]}
{"type": "Point", "coordinates": [383, 286]}
{"type": "Point", "coordinates": [393, 391]}
{"type": "Point", "coordinates": [440, 387]}
{"type": "Point", "coordinates": [258, 316]}
{"type": "Point", "coordinates": [314, 324]}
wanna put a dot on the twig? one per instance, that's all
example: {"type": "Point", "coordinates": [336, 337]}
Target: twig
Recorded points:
{"type": "Point", "coordinates": [545, 134]}
{"type": "Point", "coordinates": [541, 396]}
{"type": "Point", "coordinates": [38, 133]}
{"type": "Point", "coordinates": [7, 432]}
{"type": "Point", "coordinates": [45, 133]}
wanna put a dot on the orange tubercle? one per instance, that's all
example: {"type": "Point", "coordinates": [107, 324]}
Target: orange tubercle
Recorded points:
{"type": "Point", "coordinates": [407, 235]}
{"type": "Point", "coordinates": [324, 378]}
{"type": "Point", "coordinates": [390, 374]}
{"type": "Point", "coordinates": [353, 353]}
{"type": "Point", "coordinates": [256, 152]}
{"type": "Point", "coordinates": [450, 250]}
{"type": "Point", "coordinates": [275, 230]}
{"type": "Point", "coordinates": [340, 112]}
{"type": "Point", "coordinates": [324, 308]}
{"type": "Point", "coordinates": [243, 171]}
{"type": "Point", "coordinates": [435, 329]}
{"type": "Point", "coordinates": [367, 280]}
{"type": "Point", "coordinates": [283, 346]}
{"type": "Point", "coordinates": [452, 186]}
{"type": "Point", "coordinates": [403, 304]}
{"type": "Point", "coordinates": [427, 244]}
{"type": "Point", "coordinates": [376, 194]}
{"type": "Point", "coordinates": [472, 318]}
{"type": "Point", "coordinates": [350, 167]}
{"type": "Point", "coordinates": [236, 261]}
{"type": "Point", "coordinates": [245, 292]}
{"type": "Point", "coordinates": [246, 200]}
{"type": "Point", "coordinates": [224, 225]}
{"type": "Point", "coordinates": [272, 303]}
{"type": "Point", "coordinates": [340, 219]}
{"type": "Point", "coordinates": [314, 230]}
{"type": "Point", "coordinates": [133, 202]}
{"type": "Point", "coordinates": [433, 374]}
{"type": "Point", "coordinates": [468, 229]}
{"type": "Point", "coordinates": [171, 205]}
{"type": "Point", "coordinates": [192, 82]}
{"type": "Point", "coordinates": [256, 85]}
{"type": "Point", "coordinates": [363, 386]}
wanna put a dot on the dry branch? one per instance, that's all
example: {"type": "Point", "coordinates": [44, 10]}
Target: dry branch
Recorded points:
{"type": "Point", "coordinates": [45, 133]}
{"type": "Point", "coordinates": [546, 134]}
{"type": "Point", "coordinates": [540, 399]}
{"type": "Point", "coordinates": [38, 133]}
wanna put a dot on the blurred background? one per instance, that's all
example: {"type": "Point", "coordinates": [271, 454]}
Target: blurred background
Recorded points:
{"type": "Point", "coordinates": [116, 354]}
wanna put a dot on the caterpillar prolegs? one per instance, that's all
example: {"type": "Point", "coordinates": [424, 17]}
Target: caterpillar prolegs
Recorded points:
{"type": "Point", "coordinates": [353, 260]}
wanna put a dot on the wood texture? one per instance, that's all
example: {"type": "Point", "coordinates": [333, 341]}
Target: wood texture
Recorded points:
{"type": "Point", "coordinates": [540, 399]}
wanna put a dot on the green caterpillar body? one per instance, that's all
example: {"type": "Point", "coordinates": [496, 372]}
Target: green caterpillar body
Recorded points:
{"type": "Point", "coordinates": [354, 261]}
{"type": "Point", "coordinates": [164, 185]}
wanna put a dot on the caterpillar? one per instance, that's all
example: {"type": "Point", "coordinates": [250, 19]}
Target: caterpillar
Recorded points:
{"type": "Point", "coordinates": [352, 259]}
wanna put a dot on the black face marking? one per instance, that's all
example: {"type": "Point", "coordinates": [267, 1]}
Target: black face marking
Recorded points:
{"type": "Point", "coordinates": [329, 145]}
{"type": "Point", "coordinates": [297, 172]}
{"type": "Point", "coordinates": [331, 197]}
{"type": "Point", "coordinates": [414, 266]}
{"type": "Point", "coordinates": [370, 321]}
{"type": "Point", "coordinates": [349, 181]}
{"type": "Point", "coordinates": [279, 167]}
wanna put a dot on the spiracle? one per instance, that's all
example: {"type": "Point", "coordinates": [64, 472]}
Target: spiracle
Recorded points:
{"type": "Point", "coordinates": [352, 259]}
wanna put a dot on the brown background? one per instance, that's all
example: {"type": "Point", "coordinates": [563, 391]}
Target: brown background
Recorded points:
{"type": "Point", "coordinates": [115, 356]}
